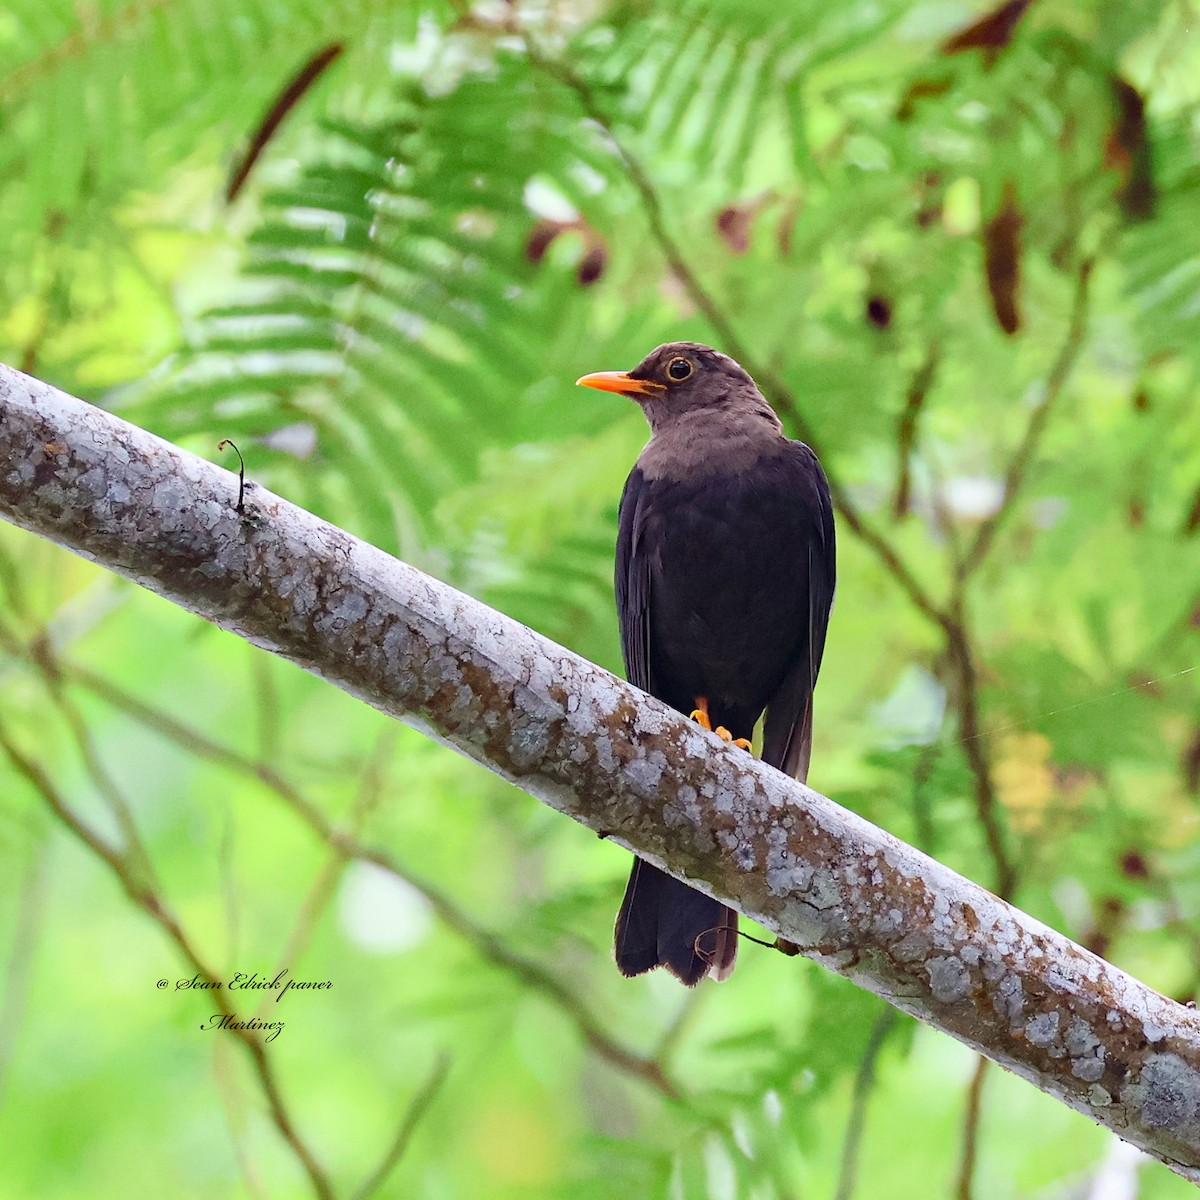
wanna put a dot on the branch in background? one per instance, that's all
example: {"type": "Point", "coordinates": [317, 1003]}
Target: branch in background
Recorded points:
{"type": "Point", "coordinates": [906, 430]}
{"type": "Point", "coordinates": [283, 104]}
{"type": "Point", "coordinates": [1018, 465]}
{"type": "Point", "coordinates": [958, 640]}
{"type": "Point", "coordinates": [19, 965]}
{"type": "Point", "coordinates": [864, 1081]}
{"type": "Point", "coordinates": [321, 891]}
{"type": "Point", "coordinates": [420, 1104]}
{"type": "Point", "coordinates": [971, 739]}
{"type": "Point", "coordinates": [136, 856]}
{"type": "Point", "coordinates": [966, 1170]}
{"type": "Point", "coordinates": [151, 904]}
{"type": "Point", "coordinates": [591, 746]}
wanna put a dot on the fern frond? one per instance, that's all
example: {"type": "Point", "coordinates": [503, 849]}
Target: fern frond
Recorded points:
{"type": "Point", "coordinates": [1162, 257]}
{"type": "Point", "coordinates": [712, 81]}
{"type": "Point", "coordinates": [388, 300]}
{"type": "Point", "coordinates": [101, 102]}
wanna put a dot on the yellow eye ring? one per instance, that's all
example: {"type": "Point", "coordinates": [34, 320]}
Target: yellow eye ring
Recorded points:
{"type": "Point", "coordinates": [679, 369]}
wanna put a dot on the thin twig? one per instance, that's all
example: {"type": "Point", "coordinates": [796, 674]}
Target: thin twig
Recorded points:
{"type": "Point", "coordinates": [291, 95]}
{"type": "Point", "coordinates": [20, 959]}
{"type": "Point", "coordinates": [971, 738]}
{"type": "Point", "coordinates": [966, 1170]}
{"type": "Point", "coordinates": [1014, 476]}
{"type": "Point", "coordinates": [958, 638]}
{"type": "Point", "coordinates": [136, 854]}
{"type": "Point", "coordinates": [529, 972]}
{"type": "Point", "coordinates": [191, 739]}
{"type": "Point", "coordinates": [959, 642]}
{"type": "Point", "coordinates": [906, 430]}
{"type": "Point", "coordinates": [323, 887]}
{"type": "Point", "coordinates": [685, 1016]}
{"type": "Point", "coordinates": [864, 1080]}
{"type": "Point", "coordinates": [420, 1104]}
{"type": "Point", "coordinates": [921, 599]}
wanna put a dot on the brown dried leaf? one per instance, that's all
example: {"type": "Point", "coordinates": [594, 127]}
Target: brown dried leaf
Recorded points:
{"type": "Point", "coordinates": [592, 264]}
{"type": "Point", "coordinates": [1002, 261]}
{"type": "Point", "coordinates": [1127, 151]}
{"type": "Point", "coordinates": [787, 227]}
{"type": "Point", "coordinates": [1191, 523]}
{"type": "Point", "coordinates": [920, 89]}
{"type": "Point", "coordinates": [1191, 764]}
{"type": "Point", "coordinates": [879, 311]}
{"type": "Point", "coordinates": [733, 226]}
{"type": "Point", "coordinates": [991, 33]}
{"type": "Point", "coordinates": [540, 238]}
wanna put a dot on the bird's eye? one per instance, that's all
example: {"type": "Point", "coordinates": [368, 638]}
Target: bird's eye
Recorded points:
{"type": "Point", "coordinates": [679, 369]}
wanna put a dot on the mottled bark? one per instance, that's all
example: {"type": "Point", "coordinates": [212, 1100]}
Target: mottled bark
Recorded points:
{"type": "Point", "coordinates": [849, 895]}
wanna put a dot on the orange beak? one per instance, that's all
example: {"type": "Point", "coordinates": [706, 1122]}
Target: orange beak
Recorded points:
{"type": "Point", "coordinates": [619, 381]}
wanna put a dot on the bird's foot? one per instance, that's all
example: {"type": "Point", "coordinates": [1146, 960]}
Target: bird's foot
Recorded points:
{"type": "Point", "coordinates": [700, 715]}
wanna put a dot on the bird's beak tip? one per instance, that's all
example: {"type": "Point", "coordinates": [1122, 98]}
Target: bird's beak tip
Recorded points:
{"type": "Point", "coordinates": [614, 381]}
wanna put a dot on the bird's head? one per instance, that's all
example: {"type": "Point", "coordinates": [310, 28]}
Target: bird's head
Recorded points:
{"type": "Point", "coordinates": [681, 379]}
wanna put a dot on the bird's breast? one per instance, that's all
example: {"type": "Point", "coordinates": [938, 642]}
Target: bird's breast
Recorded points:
{"type": "Point", "coordinates": [708, 447]}
{"type": "Point", "coordinates": [728, 555]}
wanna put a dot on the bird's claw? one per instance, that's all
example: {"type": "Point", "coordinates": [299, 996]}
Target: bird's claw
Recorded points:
{"type": "Point", "coordinates": [700, 715]}
{"type": "Point", "coordinates": [726, 736]}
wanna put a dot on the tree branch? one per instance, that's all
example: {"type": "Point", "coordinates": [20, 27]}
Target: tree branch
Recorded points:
{"type": "Point", "coordinates": [864, 1081]}
{"type": "Point", "coordinates": [971, 739]}
{"type": "Point", "coordinates": [1014, 476]}
{"type": "Point", "coordinates": [418, 1107]}
{"type": "Point", "coordinates": [591, 746]}
{"type": "Point", "coordinates": [971, 1118]}
{"type": "Point", "coordinates": [906, 429]}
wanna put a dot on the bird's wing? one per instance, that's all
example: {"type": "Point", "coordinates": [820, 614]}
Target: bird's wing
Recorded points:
{"type": "Point", "coordinates": [787, 732]}
{"type": "Point", "coordinates": [633, 584]}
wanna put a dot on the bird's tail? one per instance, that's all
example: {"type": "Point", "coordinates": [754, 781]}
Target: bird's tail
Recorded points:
{"type": "Point", "coordinates": [663, 922]}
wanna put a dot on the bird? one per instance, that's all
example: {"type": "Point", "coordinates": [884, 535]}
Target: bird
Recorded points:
{"type": "Point", "coordinates": [724, 580]}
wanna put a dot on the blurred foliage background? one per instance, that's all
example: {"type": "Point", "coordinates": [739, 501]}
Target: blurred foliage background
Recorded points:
{"type": "Point", "coordinates": [375, 244]}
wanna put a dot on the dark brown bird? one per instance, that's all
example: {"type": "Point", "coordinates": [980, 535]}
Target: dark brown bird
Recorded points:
{"type": "Point", "coordinates": [724, 581]}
